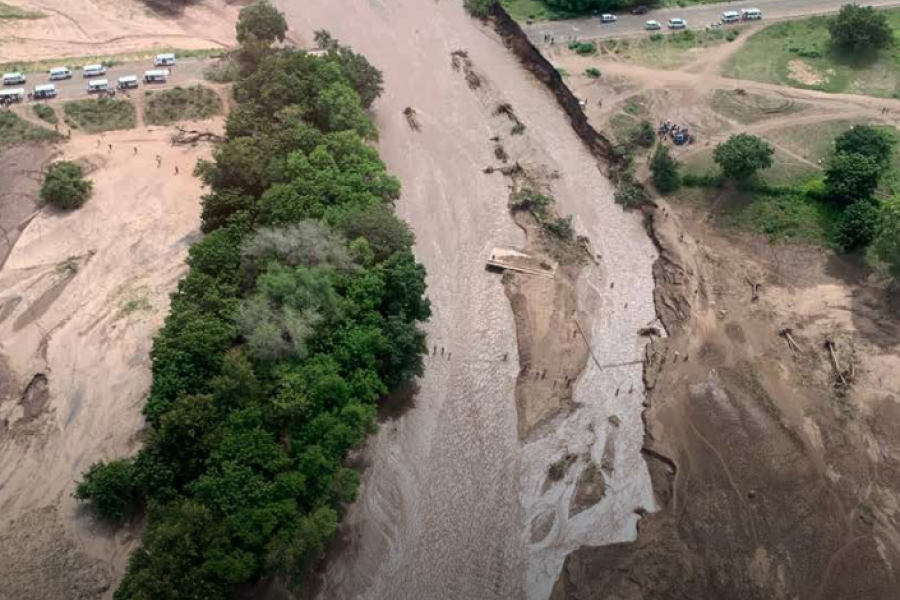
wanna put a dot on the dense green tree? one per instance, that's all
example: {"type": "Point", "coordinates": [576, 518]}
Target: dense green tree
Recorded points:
{"type": "Point", "coordinates": [860, 29]}
{"type": "Point", "coordinates": [664, 170]}
{"type": "Point", "coordinates": [111, 487]}
{"type": "Point", "coordinates": [868, 141]}
{"type": "Point", "coordinates": [65, 186]}
{"type": "Point", "coordinates": [858, 225]}
{"type": "Point", "coordinates": [743, 155]}
{"type": "Point", "coordinates": [261, 21]}
{"type": "Point", "coordinates": [886, 245]}
{"type": "Point", "coordinates": [379, 226]}
{"type": "Point", "coordinates": [365, 78]}
{"type": "Point", "coordinates": [851, 177]}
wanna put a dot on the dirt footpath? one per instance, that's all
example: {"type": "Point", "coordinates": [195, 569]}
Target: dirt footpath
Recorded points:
{"type": "Point", "coordinates": [779, 476]}
{"type": "Point", "coordinates": [81, 296]}
{"type": "Point", "coordinates": [107, 27]}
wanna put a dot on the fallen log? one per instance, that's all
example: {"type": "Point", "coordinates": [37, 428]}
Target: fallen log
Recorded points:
{"type": "Point", "coordinates": [193, 136]}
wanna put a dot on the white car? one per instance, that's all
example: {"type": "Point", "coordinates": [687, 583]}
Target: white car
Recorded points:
{"type": "Point", "coordinates": [652, 25]}
{"type": "Point", "coordinates": [607, 18]}
{"type": "Point", "coordinates": [677, 23]}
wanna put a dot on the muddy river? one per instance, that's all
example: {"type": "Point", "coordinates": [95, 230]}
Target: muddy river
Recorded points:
{"type": "Point", "coordinates": [450, 494]}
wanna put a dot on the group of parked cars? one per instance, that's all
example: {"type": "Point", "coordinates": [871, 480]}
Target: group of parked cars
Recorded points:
{"type": "Point", "coordinates": [730, 16]}
{"type": "Point", "coordinates": [93, 73]}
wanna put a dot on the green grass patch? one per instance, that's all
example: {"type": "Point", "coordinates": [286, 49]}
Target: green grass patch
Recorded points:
{"type": "Point", "coordinates": [622, 125]}
{"type": "Point", "coordinates": [791, 217]}
{"type": "Point", "coordinates": [76, 62]}
{"type": "Point", "coordinates": [46, 113]}
{"type": "Point", "coordinates": [799, 54]}
{"type": "Point", "coordinates": [534, 10]}
{"type": "Point", "coordinates": [663, 50]}
{"type": "Point", "coordinates": [181, 104]}
{"type": "Point", "coordinates": [14, 129]}
{"type": "Point", "coordinates": [11, 13]}
{"type": "Point", "coordinates": [102, 114]}
{"type": "Point", "coordinates": [786, 169]}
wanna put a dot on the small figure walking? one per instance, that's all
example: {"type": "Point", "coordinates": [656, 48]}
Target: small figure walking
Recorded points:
{"type": "Point", "coordinates": [176, 169]}
{"type": "Point", "coordinates": [110, 148]}
{"type": "Point", "coordinates": [135, 150]}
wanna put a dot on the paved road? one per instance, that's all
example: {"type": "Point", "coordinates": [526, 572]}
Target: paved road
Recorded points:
{"type": "Point", "coordinates": [697, 17]}
{"type": "Point", "coordinates": [189, 69]}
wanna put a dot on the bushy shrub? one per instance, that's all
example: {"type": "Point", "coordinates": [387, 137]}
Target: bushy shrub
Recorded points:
{"type": "Point", "coordinates": [480, 9]}
{"type": "Point", "coordinates": [65, 186]}
{"type": "Point", "coordinates": [742, 155]}
{"type": "Point", "coordinates": [857, 225]}
{"type": "Point", "coordinates": [664, 169]}
{"type": "Point", "coordinates": [592, 72]}
{"type": "Point", "coordinates": [630, 193]}
{"type": "Point", "coordinates": [110, 487]}
{"type": "Point", "coordinates": [642, 135]}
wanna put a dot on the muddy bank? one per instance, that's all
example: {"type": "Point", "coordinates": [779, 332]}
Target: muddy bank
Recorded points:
{"type": "Point", "coordinates": [775, 480]}
{"type": "Point", "coordinates": [20, 183]}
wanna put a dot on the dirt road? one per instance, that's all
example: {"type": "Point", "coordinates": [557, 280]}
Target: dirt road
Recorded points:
{"type": "Point", "coordinates": [81, 296]}
{"type": "Point", "coordinates": [451, 495]}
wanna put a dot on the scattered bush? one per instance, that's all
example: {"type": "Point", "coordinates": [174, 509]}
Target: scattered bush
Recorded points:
{"type": "Point", "coordinates": [531, 200]}
{"type": "Point", "coordinates": [664, 170]}
{"type": "Point", "coordinates": [225, 70]}
{"type": "Point", "coordinates": [656, 37]}
{"type": "Point", "coordinates": [732, 35]}
{"type": "Point", "coordinates": [480, 9]}
{"type": "Point", "coordinates": [111, 488]}
{"type": "Point", "coordinates": [46, 113]}
{"type": "Point", "coordinates": [102, 114]}
{"type": "Point", "coordinates": [592, 72]}
{"type": "Point", "coordinates": [583, 48]}
{"type": "Point", "coordinates": [857, 225]}
{"type": "Point", "coordinates": [561, 227]}
{"type": "Point", "coordinates": [65, 186]}
{"type": "Point", "coordinates": [630, 193]}
{"type": "Point", "coordinates": [643, 135]}
{"type": "Point", "coordinates": [708, 180]}
{"type": "Point", "coordinates": [886, 245]}
{"type": "Point", "coordinates": [14, 129]}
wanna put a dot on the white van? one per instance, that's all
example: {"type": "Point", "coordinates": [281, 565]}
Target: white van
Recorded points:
{"type": "Point", "coordinates": [13, 78]}
{"type": "Point", "coordinates": [96, 86]}
{"type": "Point", "coordinates": [42, 92]}
{"type": "Point", "coordinates": [731, 16]}
{"type": "Point", "coordinates": [164, 60]}
{"type": "Point", "coordinates": [157, 76]}
{"type": "Point", "coordinates": [11, 95]}
{"type": "Point", "coordinates": [57, 73]}
{"type": "Point", "coordinates": [129, 82]}
{"type": "Point", "coordinates": [93, 70]}
{"type": "Point", "coordinates": [751, 14]}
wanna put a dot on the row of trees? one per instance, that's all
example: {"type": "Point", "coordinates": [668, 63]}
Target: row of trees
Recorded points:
{"type": "Point", "coordinates": [299, 311]}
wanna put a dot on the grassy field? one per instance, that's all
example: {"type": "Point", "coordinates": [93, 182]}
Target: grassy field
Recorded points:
{"type": "Point", "coordinates": [665, 50]}
{"type": "Point", "coordinates": [46, 113]}
{"type": "Point", "coordinates": [103, 114]}
{"type": "Point", "coordinates": [181, 104]}
{"type": "Point", "coordinates": [10, 13]}
{"type": "Point", "coordinates": [76, 62]}
{"type": "Point", "coordinates": [14, 129]}
{"type": "Point", "coordinates": [748, 108]}
{"type": "Point", "coordinates": [798, 54]}
{"type": "Point", "coordinates": [786, 170]}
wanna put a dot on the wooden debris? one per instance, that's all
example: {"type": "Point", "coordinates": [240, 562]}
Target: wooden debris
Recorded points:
{"type": "Point", "coordinates": [410, 114]}
{"type": "Point", "coordinates": [648, 332]}
{"type": "Point", "coordinates": [754, 290]}
{"type": "Point", "coordinates": [834, 361]}
{"type": "Point", "coordinates": [192, 136]}
{"type": "Point", "coordinates": [786, 334]}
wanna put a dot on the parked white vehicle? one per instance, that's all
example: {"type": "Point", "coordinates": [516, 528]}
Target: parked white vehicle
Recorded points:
{"type": "Point", "coordinates": [607, 18]}
{"type": "Point", "coordinates": [157, 76]}
{"type": "Point", "coordinates": [751, 14]}
{"type": "Point", "coordinates": [42, 92]}
{"type": "Point", "coordinates": [677, 23]}
{"type": "Point", "coordinates": [731, 16]}
{"type": "Point", "coordinates": [127, 82]}
{"type": "Point", "coordinates": [58, 73]}
{"type": "Point", "coordinates": [164, 60]}
{"type": "Point", "coordinates": [11, 95]}
{"type": "Point", "coordinates": [95, 86]}
{"type": "Point", "coordinates": [652, 25]}
{"type": "Point", "coordinates": [93, 70]}
{"type": "Point", "coordinates": [13, 78]}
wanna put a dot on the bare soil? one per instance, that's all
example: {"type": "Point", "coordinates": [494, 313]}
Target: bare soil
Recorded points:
{"type": "Point", "coordinates": [20, 182]}
{"type": "Point", "coordinates": [74, 361]}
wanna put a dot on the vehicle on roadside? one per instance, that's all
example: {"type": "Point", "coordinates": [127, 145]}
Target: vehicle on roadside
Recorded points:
{"type": "Point", "coordinates": [652, 25]}
{"type": "Point", "coordinates": [97, 86]}
{"type": "Point", "coordinates": [156, 76]}
{"type": "Point", "coordinates": [640, 10]}
{"type": "Point", "coordinates": [751, 14]}
{"type": "Point", "coordinates": [164, 60]}
{"type": "Point", "coordinates": [15, 78]}
{"type": "Point", "coordinates": [93, 71]}
{"type": "Point", "coordinates": [128, 82]}
{"type": "Point", "coordinates": [43, 92]}
{"type": "Point", "coordinates": [608, 18]}
{"type": "Point", "coordinates": [9, 96]}
{"type": "Point", "coordinates": [731, 16]}
{"type": "Point", "coordinates": [57, 73]}
{"type": "Point", "coordinates": [677, 23]}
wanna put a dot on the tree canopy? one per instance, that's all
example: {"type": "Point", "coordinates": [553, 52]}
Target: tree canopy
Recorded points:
{"type": "Point", "coordinates": [300, 309]}
{"type": "Point", "coordinates": [851, 177]}
{"type": "Point", "coordinates": [867, 141]}
{"type": "Point", "coordinates": [886, 245]}
{"type": "Point", "coordinates": [65, 186]}
{"type": "Point", "coordinates": [262, 22]}
{"type": "Point", "coordinates": [664, 170]}
{"type": "Point", "coordinates": [743, 155]}
{"type": "Point", "coordinates": [860, 29]}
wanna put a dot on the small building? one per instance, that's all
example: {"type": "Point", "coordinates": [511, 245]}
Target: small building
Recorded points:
{"type": "Point", "coordinates": [43, 92]}
{"type": "Point", "coordinates": [128, 82]}
{"type": "Point", "coordinates": [156, 76]}
{"type": "Point", "coordinates": [96, 86]}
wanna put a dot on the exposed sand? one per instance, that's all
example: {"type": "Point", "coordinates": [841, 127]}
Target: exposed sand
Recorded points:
{"type": "Point", "coordinates": [105, 27]}
{"type": "Point", "coordinates": [447, 502]}
{"type": "Point", "coordinates": [81, 296]}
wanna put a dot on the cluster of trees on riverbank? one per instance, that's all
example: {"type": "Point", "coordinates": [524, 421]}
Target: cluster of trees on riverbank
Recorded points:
{"type": "Point", "coordinates": [299, 311]}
